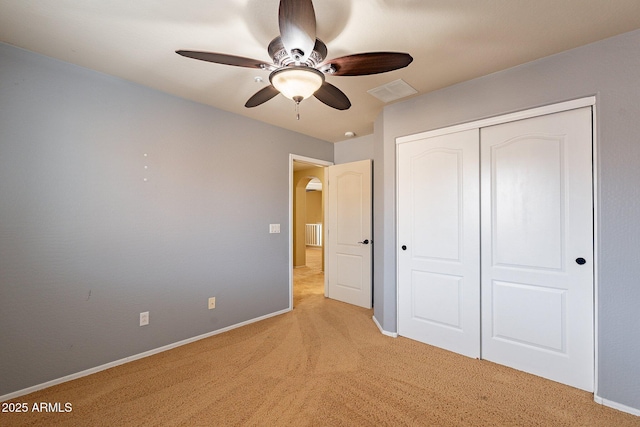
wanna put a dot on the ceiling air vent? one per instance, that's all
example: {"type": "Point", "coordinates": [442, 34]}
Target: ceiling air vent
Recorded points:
{"type": "Point", "coordinates": [391, 91]}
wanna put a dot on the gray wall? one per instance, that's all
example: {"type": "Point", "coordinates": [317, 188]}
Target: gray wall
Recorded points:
{"type": "Point", "coordinates": [609, 69]}
{"type": "Point", "coordinates": [86, 244]}
{"type": "Point", "coordinates": [352, 150]}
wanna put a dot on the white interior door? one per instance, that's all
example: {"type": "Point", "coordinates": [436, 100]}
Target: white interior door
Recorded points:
{"type": "Point", "coordinates": [537, 246]}
{"type": "Point", "coordinates": [349, 241]}
{"type": "Point", "coordinates": [439, 239]}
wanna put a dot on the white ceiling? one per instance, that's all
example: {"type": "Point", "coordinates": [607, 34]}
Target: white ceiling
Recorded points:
{"type": "Point", "coordinates": [451, 41]}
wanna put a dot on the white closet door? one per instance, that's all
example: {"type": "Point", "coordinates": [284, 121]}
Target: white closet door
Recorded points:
{"type": "Point", "coordinates": [537, 246]}
{"type": "Point", "coordinates": [438, 235]}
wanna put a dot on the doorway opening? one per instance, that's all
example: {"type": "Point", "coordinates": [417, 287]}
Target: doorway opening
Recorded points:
{"type": "Point", "coordinates": [306, 228]}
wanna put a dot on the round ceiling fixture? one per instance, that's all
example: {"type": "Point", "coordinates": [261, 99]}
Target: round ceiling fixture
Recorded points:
{"type": "Point", "coordinates": [297, 82]}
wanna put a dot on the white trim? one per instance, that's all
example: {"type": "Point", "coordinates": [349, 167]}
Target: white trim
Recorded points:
{"type": "Point", "coordinates": [325, 230]}
{"type": "Point", "coordinates": [382, 331]}
{"type": "Point", "coordinates": [138, 356]}
{"type": "Point", "coordinates": [396, 243]}
{"type": "Point", "coordinates": [616, 405]}
{"type": "Point", "coordinates": [311, 161]}
{"type": "Point", "coordinates": [594, 197]}
{"type": "Point", "coordinates": [511, 117]}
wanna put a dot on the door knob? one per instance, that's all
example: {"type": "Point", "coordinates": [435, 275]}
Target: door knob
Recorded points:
{"type": "Point", "coordinates": [365, 242]}
{"type": "Point", "coordinates": [581, 261]}
{"type": "Point", "coordinates": [404, 247]}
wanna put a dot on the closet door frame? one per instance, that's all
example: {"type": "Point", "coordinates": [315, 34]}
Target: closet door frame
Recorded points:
{"type": "Point", "coordinates": [511, 117]}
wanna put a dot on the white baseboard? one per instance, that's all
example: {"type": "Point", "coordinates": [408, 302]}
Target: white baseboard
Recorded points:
{"type": "Point", "coordinates": [109, 365]}
{"type": "Point", "coordinates": [616, 405]}
{"type": "Point", "coordinates": [382, 331]}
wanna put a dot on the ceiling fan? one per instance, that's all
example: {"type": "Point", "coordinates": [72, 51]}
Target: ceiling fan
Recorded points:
{"type": "Point", "coordinates": [299, 67]}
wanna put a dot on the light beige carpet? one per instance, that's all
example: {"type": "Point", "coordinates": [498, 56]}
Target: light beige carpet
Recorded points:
{"type": "Point", "coordinates": [323, 364]}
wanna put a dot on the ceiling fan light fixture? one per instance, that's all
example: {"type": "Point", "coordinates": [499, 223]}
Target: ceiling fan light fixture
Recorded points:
{"type": "Point", "coordinates": [298, 66]}
{"type": "Point", "coordinates": [297, 83]}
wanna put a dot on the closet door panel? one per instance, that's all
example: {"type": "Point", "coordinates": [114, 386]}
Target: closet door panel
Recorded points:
{"type": "Point", "coordinates": [537, 222]}
{"type": "Point", "coordinates": [438, 237]}
{"type": "Point", "coordinates": [528, 207]}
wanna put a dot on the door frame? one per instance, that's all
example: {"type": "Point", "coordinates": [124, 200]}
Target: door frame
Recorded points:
{"type": "Point", "coordinates": [314, 162]}
{"type": "Point", "coordinates": [589, 101]}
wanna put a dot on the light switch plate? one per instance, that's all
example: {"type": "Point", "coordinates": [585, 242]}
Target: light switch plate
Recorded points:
{"type": "Point", "coordinates": [144, 318]}
{"type": "Point", "coordinates": [274, 228]}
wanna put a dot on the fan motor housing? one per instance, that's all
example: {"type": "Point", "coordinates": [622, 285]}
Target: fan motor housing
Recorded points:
{"type": "Point", "coordinates": [282, 58]}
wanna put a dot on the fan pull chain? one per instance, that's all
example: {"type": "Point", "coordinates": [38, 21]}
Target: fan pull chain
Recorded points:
{"type": "Point", "coordinates": [297, 100]}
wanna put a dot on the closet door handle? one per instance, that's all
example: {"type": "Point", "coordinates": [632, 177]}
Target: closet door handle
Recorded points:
{"type": "Point", "coordinates": [581, 261]}
{"type": "Point", "coordinates": [365, 242]}
{"type": "Point", "coordinates": [404, 247]}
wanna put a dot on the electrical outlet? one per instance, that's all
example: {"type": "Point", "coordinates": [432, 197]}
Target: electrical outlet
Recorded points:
{"type": "Point", "coordinates": [144, 318]}
{"type": "Point", "coordinates": [212, 303]}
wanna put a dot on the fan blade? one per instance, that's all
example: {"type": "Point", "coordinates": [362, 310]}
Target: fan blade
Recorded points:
{"type": "Point", "coordinates": [362, 64]}
{"type": "Point", "coordinates": [321, 50]}
{"type": "Point", "coordinates": [262, 96]}
{"type": "Point", "coordinates": [220, 58]}
{"type": "Point", "coordinates": [332, 96]}
{"type": "Point", "coordinates": [297, 21]}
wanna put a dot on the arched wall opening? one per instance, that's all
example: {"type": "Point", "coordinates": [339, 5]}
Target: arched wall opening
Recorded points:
{"type": "Point", "coordinates": [308, 208]}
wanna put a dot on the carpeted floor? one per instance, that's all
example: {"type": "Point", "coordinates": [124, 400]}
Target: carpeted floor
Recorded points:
{"type": "Point", "coordinates": [323, 364]}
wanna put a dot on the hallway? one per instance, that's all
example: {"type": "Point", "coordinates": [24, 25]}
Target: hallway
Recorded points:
{"type": "Point", "coordinates": [308, 280]}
